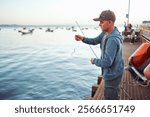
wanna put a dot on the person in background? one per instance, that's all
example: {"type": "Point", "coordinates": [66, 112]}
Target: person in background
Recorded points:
{"type": "Point", "coordinates": [110, 61]}
{"type": "Point", "coordinates": [125, 26]}
{"type": "Point", "coordinates": [132, 33]}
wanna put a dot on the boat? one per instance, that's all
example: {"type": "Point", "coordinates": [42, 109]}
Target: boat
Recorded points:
{"type": "Point", "coordinates": [25, 31]}
{"type": "Point", "coordinates": [49, 30]}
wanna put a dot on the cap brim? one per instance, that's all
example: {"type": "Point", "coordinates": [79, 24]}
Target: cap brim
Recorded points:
{"type": "Point", "coordinates": [96, 19]}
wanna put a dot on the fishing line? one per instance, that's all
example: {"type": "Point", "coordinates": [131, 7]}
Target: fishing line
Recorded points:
{"type": "Point", "coordinates": [84, 36]}
{"type": "Point", "coordinates": [73, 51]}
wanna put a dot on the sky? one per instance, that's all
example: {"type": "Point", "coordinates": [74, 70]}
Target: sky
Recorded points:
{"type": "Point", "coordinates": [47, 12]}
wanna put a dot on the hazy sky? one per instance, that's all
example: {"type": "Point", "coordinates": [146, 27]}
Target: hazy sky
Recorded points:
{"type": "Point", "coordinates": [69, 11]}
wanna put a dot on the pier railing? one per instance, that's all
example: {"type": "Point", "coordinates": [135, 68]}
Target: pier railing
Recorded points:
{"type": "Point", "coordinates": [146, 35]}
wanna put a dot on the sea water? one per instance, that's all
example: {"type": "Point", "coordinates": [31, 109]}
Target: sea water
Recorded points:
{"type": "Point", "coordinates": [46, 65]}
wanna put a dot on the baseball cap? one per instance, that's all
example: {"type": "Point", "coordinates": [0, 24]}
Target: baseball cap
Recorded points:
{"type": "Point", "coordinates": [106, 15]}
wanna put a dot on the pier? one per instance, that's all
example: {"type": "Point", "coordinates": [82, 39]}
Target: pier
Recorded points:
{"type": "Point", "coordinates": [131, 89]}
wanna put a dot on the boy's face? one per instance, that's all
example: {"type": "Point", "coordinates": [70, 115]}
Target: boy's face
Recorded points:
{"type": "Point", "coordinates": [105, 24]}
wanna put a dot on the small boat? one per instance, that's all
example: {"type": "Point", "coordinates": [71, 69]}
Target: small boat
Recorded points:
{"type": "Point", "coordinates": [24, 31]}
{"type": "Point", "coordinates": [49, 30]}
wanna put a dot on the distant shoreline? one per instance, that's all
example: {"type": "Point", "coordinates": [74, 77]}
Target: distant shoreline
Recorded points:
{"type": "Point", "coordinates": [50, 25]}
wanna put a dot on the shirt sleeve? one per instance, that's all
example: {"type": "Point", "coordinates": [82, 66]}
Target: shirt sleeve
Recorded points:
{"type": "Point", "coordinates": [109, 54]}
{"type": "Point", "coordinates": [94, 41]}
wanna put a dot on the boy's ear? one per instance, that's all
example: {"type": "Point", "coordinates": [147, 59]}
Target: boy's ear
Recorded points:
{"type": "Point", "coordinates": [110, 21]}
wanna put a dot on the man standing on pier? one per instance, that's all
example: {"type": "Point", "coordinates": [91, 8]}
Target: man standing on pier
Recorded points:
{"type": "Point", "coordinates": [111, 60]}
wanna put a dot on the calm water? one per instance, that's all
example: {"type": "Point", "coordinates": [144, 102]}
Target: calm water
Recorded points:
{"type": "Point", "coordinates": [46, 65]}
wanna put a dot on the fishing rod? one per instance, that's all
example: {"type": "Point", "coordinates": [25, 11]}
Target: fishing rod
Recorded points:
{"type": "Point", "coordinates": [84, 36]}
